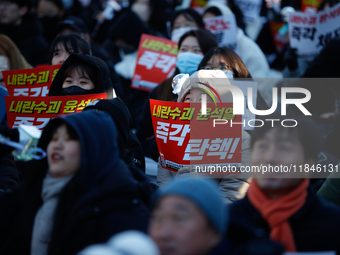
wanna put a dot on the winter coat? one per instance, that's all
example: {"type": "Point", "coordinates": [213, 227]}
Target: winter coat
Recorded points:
{"type": "Point", "coordinates": [103, 81]}
{"type": "Point", "coordinates": [9, 176]}
{"type": "Point", "coordinates": [247, 49]}
{"type": "Point", "coordinates": [29, 39]}
{"type": "Point", "coordinates": [330, 190]}
{"type": "Point", "coordinates": [315, 227]}
{"type": "Point", "coordinates": [102, 199]}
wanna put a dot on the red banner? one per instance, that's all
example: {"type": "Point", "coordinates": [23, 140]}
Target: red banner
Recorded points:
{"type": "Point", "coordinates": [38, 111]}
{"type": "Point", "coordinates": [310, 6]}
{"type": "Point", "coordinates": [279, 39]}
{"type": "Point", "coordinates": [156, 61]}
{"type": "Point", "coordinates": [186, 137]}
{"type": "Point", "coordinates": [33, 82]}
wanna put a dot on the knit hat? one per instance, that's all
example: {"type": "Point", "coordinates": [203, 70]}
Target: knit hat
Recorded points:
{"type": "Point", "coordinates": [205, 194]}
{"type": "Point", "coordinates": [201, 79]}
{"type": "Point", "coordinates": [74, 23]}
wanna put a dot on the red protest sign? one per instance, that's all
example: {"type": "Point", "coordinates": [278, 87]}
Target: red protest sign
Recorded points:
{"type": "Point", "coordinates": [33, 82]}
{"type": "Point", "coordinates": [186, 137]}
{"type": "Point", "coordinates": [38, 111]}
{"type": "Point", "coordinates": [156, 61]}
{"type": "Point", "coordinates": [280, 39]}
{"type": "Point", "coordinates": [310, 6]}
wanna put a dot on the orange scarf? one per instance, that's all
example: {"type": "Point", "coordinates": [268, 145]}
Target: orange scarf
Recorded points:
{"type": "Point", "coordinates": [278, 211]}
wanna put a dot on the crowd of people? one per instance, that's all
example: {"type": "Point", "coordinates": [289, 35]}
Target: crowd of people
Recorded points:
{"type": "Point", "coordinates": [93, 192]}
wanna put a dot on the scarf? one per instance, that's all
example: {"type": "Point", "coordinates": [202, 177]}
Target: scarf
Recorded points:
{"type": "Point", "coordinates": [43, 221]}
{"type": "Point", "coordinates": [278, 211]}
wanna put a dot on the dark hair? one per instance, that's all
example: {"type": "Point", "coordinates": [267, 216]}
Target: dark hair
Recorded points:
{"type": "Point", "coordinates": [189, 14]}
{"type": "Point", "coordinates": [82, 69]}
{"type": "Point", "coordinates": [51, 130]}
{"type": "Point", "coordinates": [239, 68]}
{"type": "Point", "coordinates": [77, 43]}
{"type": "Point", "coordinates": [160, 14]}
{"type": "Point", "coordinates": [205, 39]}
{"type": "Point", "coordinates": [214, 10]}
{"type": "Point", "coordinates": [306, 132]}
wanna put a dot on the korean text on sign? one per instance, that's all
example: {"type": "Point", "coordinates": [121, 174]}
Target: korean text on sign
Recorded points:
{"type": "Point", "coordinates": [156, 61]}
{"type": "Point", "coordinates": [185, 136]}
{"type": "Point", "coordinates": [39, 110]}
{"type": "Point", "coordinates": [33, 82]}
{"type": "Point", "coordinates": [309, 33]}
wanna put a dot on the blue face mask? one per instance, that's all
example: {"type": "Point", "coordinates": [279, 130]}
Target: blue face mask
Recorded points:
{"type": "Point", "coordinates": [187, 62]}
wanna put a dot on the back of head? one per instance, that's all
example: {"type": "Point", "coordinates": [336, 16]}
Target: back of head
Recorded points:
{"type": "Point", "coordinates": [102, 80]}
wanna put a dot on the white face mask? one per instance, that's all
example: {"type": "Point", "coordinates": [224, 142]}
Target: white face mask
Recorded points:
{"type": "Point", "coordinates": [142, 11]}
{"type": "Point", "coordinates": [4, 65]}
{"type": "Point", "coordinates": [177, 33]}
{"type": "Point", "coordinates": [229, 73]}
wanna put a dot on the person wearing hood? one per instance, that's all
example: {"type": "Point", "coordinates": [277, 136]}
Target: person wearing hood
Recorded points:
{"type": "Point", "coordinates": [82, 74]}
{"type": "Point", "coordinates": [24, 29]}
{"type": "Point", "coordinates": [80, 194]}
{"type": "Point", "coordinates": [249, 51]}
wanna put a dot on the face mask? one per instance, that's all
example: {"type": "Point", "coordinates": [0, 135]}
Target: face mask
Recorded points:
{"type": "Point", "coordinates": [76, 90]}
{"type": "Point", "coordinates": [142, 11]}
{"type": "Point", "coordinates": [229, 74]}
{"type": "Point", "coordinates": [3, 65]}
{"type": "Point", "coordinates": [177, 33]}
{"type": "Point", "coordinates": [187, 62]}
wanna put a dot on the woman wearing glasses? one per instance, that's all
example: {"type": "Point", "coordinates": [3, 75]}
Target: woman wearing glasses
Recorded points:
{"type": "Point", "coordinates": [226, 60]}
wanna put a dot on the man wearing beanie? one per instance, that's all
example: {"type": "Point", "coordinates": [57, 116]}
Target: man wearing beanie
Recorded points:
{"type": "Point", "coordinates": [189, 217]}
{"type": "Point", "coordinates": [281, 212]}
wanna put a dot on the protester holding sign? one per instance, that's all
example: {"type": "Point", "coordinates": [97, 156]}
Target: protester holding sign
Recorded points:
{"type": "Point", "coordinates": [82, 74]}
{"type": "Point", "coordinates": [232, 188]}
{"type": "Point", "coordinates": [249, 51]}
{"type": "Point", "coordinates": [81, 194]}
{"type": "Point", "coordinates": [193, 43]}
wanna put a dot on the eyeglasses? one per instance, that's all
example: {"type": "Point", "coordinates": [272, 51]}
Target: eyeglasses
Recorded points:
{"type": "Point", "coordinates": [222, 67]}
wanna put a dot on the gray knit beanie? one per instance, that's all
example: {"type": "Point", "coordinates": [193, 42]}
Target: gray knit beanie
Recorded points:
{"type": "Point", "coordinates": [205, 194]}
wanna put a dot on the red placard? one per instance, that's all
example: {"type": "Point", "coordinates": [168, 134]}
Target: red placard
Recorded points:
{"type": "Point", "coordinates": [279, 39]}
{"type": "Point", "coordinates": [33, 82]}
{"type": "Point", "coordinates": [156, 61]}
{"type": "Point", "coordinates": [186, 137]}
{"type": "Point", "coordinates": [38, 111]}
{"type": "Point", "coordinates": [310, 6]}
